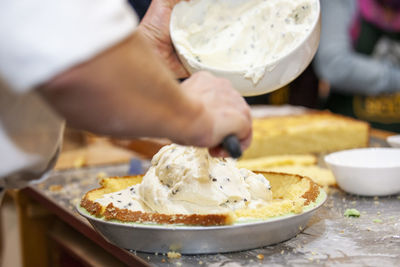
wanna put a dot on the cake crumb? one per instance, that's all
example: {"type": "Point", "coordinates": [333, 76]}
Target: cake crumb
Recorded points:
{"type": "Point", "coordinates": [163, 260]}
{"type": "Point", "coordinates": [79, 162]}
{"type": "Point", "coordinates": [260, 256]}
{"type": "Point", "coordinates": [283, 251]}
{"type": "Point", "coordinates": [174, 255]}
{"type": "Point", "coordinates": [352, 213]}
{"type": "Point", "coordinates": [178, 263]}
{"type": "Point", "coordinates": [55, 188]}
{"type": "Point", "coordinates": [200, 263]}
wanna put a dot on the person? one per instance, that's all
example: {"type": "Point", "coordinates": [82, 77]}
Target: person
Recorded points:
{"type": "Point", "coordinates": [359, 57]}
{"type": "Point", "coordinates": [94, 66]}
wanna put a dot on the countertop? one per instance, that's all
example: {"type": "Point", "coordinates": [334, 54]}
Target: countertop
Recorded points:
{"type": "Point", "coordinates": [330, 239]}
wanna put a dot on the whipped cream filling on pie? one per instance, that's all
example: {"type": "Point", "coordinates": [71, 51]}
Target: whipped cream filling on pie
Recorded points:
{"type": "Point", "coordinates": [187, 180]}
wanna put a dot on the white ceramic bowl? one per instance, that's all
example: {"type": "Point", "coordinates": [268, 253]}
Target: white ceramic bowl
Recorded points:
{"type": "Point", "coordinates": [367, 171]}
{"type": "Point", "coordinates": [394, 140]}
{"type": "Point", "coordinates": [279, 72]}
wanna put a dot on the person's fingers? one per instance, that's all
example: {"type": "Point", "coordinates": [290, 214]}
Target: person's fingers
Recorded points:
{"type": "Point", "coordinates": [230, 121]}
{"type": "Point", "coordinates": [240, 103]}
{"type": "Point", "coordinates": [218, 152]}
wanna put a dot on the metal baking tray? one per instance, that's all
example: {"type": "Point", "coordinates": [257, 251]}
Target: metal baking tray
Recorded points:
{"type": "Point", "coordinates": [202, 240]}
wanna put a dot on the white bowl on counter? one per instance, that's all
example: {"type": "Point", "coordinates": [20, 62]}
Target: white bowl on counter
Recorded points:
{"type": "Point", "coordinates": [279, 72]}
{"type": "Point", "coordinates": [394, 141]}
{"type": "Point", "coordinates": [367, 171]}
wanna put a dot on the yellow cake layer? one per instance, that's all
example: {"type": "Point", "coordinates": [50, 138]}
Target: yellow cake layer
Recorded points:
{"type": "Point", "coordinates": [275, 161]}
{"type": "Point", "coordinates": [309, 133]}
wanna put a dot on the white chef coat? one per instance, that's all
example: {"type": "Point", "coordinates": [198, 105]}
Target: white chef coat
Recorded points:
{"type": "Point", "coordinates": [38, 40]}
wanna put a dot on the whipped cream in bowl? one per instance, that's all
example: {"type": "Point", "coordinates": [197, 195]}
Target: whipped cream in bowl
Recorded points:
{"type": "Point", "coordinates": [259, 45]}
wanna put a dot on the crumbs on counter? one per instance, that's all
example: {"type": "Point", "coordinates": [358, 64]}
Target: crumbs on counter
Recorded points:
{"type": "Point", "coordinates": [260, 256]}
{"type": "Point", "coordinates": [352, 213]}
{"type": "Point", "coordinates": [80, 162]}
{"type": "Point", "coordinates": [55, 188]}
{"type": "Point", "coordinates": [173, 255]}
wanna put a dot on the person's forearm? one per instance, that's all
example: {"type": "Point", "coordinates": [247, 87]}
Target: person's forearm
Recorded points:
{"type": "Point", "coordinates": [357, 74]}
{"type": "Point", "coordinates": [133, 91]}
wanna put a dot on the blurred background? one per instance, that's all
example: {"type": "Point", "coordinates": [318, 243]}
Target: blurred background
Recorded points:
{"type": "Point", "coordinates": [356, 72]}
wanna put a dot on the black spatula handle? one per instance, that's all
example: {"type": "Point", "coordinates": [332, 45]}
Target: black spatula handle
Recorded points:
{"type": "Point", "coordinates": [232, 145]}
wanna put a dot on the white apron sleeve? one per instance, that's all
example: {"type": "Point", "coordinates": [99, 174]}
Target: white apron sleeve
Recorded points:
{"type": "Point", "coordinates": [39, 40]}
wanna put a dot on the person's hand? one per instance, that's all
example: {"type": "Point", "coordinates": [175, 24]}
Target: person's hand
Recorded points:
{"type": "Point", "coordinates": [155, 27]}
{"type": "Point", "coordinates": [223, 112]}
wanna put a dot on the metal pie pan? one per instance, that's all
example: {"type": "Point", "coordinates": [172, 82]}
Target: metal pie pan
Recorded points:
{"type": "Point", "coordinates": [198, 239]}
